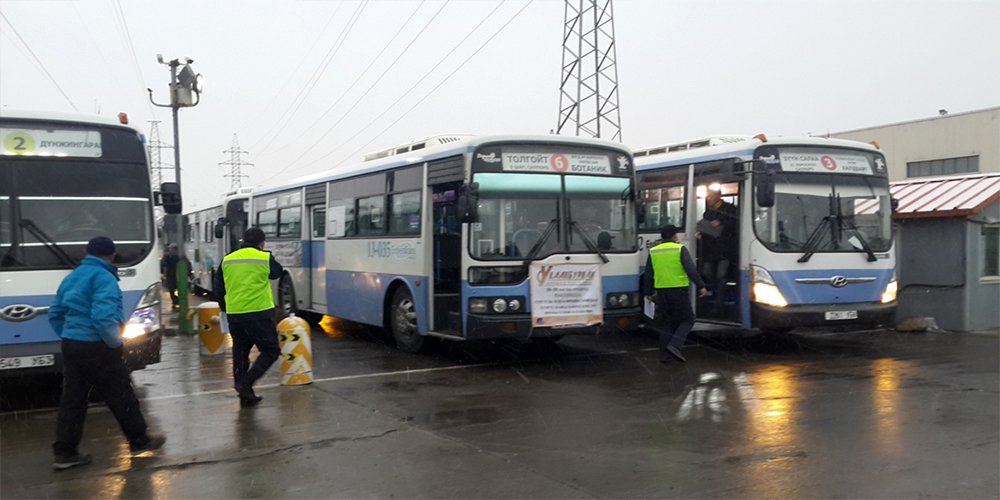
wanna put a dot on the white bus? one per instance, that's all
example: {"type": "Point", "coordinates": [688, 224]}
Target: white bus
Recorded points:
{"type": "Point", "coordinates": [813, 243]}
{"type": "Point", "coordinates": [461, 237]}
{"type": "Point", "coordinates": [212, 233]}
{"type": "Point", "coordinates": [64, 180]}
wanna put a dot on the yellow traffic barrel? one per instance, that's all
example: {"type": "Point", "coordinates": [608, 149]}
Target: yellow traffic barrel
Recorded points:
{"type": "Point", "coordinates": [296, 351]}
{"type": "Point", "coordinates": [213, 339]}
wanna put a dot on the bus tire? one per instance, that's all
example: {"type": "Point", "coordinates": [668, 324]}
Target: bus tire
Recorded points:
{"type": "Point", "coordinates": [286, 296]}
{"type": "Point", "coordinates": [776, 331]}
{"type": "Point", "coordinates": [403, 321]}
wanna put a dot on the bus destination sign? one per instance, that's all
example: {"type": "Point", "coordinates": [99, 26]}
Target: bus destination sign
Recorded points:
{"type": "Point", "coordinates": [514, 161]}
{"type": "Point", "coordinates": [824, 162]}
{"type": "Point", "coordinates": [40, 142]}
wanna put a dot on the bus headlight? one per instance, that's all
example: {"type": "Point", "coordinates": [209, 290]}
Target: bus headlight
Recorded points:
{"type": "Point", "coordinates": [146, 317]}
{"type": "Point", "coordinates": [622, 299]}
{"type": "Point", "coordinates": [499, 305]}
{"type": "Point", "coordinates": [477, 306]}
{"type": "Point", "coordinates": [764, 290]}
{"type": "Point", "coordinates": [889, 295]}
{"type": "Point", "coordinates": [143, 321]}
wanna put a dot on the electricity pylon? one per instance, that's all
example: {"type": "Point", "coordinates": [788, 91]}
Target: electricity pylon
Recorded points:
{"type": "Point", "coordinates": [588, 93]}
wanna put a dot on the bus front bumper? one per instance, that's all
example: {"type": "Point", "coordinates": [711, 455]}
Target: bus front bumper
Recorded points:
{"type": "Point", "coordinates": [518, 326]}
{"type": "Point", "coordinates": [865, 314]}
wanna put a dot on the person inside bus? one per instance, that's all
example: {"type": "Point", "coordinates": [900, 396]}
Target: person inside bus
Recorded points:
{"type": "Point", "coordinates": [87, 315]}
{"type": "Point", "coordinates": [666, 280]}
{"type": "Point", "coordinates": [719, 241]}
{"type": "Point", "coordinates": [243, 279]}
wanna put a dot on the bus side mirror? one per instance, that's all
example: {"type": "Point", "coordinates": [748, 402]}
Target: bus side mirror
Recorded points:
{"type": "Point", "coordinates": [765, 189]}
{"type": "Point", "coordinates": [220, 227]}
{"type": "Point", "coordinates": [169, 197]}
{"type": "Point", "coordinates": [468, 203]}
{"type": "Point", "coordinates": [641, 214]}
{"type": "Point", "coordinates": [894, 203]}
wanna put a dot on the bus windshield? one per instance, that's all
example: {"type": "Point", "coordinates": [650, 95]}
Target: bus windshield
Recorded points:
{"type": "Point", "coordinates": [555, 213]}
{"type": "Point", "coordinates": [820, 212]}
{"type": "Point", "coordinates": [50, 208]}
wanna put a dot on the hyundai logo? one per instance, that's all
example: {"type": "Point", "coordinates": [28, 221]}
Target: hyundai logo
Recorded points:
{"type": "Point", "coordinates": [21, 312]}
{"type": "Point", "coordinates": [838, 281]}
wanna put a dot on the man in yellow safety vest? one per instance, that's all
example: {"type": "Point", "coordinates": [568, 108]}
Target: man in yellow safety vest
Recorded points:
{"type": "Point", "coordinates": [669, 273]}
{"type": "Point", "coordinates": [245, 294]}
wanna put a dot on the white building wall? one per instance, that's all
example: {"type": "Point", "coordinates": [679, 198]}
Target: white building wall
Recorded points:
{"type": "Point", "coordinates": [940, 137]}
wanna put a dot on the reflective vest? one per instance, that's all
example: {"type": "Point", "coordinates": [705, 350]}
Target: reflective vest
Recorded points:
{"type": "Point", "coordinates": [668, 272]}
{"type": "Point", "coordinates": [248, 289]}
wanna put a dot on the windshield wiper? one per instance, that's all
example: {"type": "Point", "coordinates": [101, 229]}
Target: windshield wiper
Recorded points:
{"type": "Point", "coordinates": [812, 244]}
{"type": "Point", "coordinates": [589, 242]}
{"type": "Point", "coordinates": [854, 231]}
{"type": "Point", "coordinates": [47, 241]}
{"type": "Point", "coordinates": [533, 253]}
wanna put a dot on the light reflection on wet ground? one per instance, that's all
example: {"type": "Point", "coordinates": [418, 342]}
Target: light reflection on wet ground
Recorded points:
{"type": "Point", "coordinates": [872, 414]}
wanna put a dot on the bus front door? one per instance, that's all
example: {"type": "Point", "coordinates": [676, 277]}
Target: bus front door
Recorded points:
{"type": "Point", "coordinates": [447, 231]}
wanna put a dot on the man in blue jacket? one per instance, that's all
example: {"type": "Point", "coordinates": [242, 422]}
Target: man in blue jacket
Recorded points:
{"type": "Point", "coordinates": [88, 315]}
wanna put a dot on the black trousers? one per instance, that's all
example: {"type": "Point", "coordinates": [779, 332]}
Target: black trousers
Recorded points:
{"type": "Point", "coordinates": [94, 366]}
{"type": "Point", "coordinates": [674, 315]}
{"type": "Point", "coordinates": [248, 330]}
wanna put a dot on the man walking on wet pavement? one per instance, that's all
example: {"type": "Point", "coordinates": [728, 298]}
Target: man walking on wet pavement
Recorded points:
{"type": "Point", "coordinates": [249, 304]}
{"type": "Point", "coordinates": [88, 316]}
{"type": "Point", "coordinates": [669, 272]}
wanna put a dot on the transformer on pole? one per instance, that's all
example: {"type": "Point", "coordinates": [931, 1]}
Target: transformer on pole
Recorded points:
{"type": "Point", "coordinates": [588, 92]}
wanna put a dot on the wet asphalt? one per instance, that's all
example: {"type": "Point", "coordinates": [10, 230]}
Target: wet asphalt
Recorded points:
{"type": "Point", "coordinates": [874, 414]}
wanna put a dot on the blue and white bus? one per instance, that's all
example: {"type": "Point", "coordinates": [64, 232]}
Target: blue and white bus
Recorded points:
{"type": "Point", "coordinates": [64, 180]}
{"type": "Point", "coordinates": [212, 233]}
{"type": "Point", "coordinates": [813, 245]}
{"type": "Point", "coordinates": [463, 238]}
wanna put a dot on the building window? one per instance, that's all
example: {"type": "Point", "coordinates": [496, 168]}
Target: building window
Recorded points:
{"type": "Point", "coordinates": [948, 166]}
{"type": "Point", "coordinates": [991, 252]}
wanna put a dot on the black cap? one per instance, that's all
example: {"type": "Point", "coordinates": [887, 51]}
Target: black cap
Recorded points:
{"type": "Point", "coordinates": [667, 232]}
{"type": "Point", "coordinates": [253, 237]}
{"type": "Point", "coordinates": [101, 246]}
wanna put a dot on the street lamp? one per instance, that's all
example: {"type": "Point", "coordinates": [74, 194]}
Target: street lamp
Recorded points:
{"type": "Point", "coordinates": [185, 92]}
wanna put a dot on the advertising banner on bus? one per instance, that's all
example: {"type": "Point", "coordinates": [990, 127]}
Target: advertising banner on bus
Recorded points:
{"type": "Point", "coordinates": [566, 295]}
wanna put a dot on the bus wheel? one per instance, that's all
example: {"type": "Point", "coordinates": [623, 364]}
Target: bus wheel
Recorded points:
{"type": "Point", "coordinates": [403, 321]}
{"type": "Point", "coordinates": [286, 296]}
{"type": "Point", "coordinates": [776, 331]}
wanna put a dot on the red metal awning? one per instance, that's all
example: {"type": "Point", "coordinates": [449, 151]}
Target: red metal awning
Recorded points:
{"type": "Point", "coordinates": [952, 196]}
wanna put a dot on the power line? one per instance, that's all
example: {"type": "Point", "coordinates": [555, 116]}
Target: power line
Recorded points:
{"type": "Point", "coordinates": [314, 79]}
{"type": "Point", "coordinates": [370, 87]}
{"type": "Point", "coordinates": [424, 98]}
{"type": "Point", "coordinates": [412, 87]}
{"type": "Point", "coordinates": [291, 76]}
{"type": "Point", "coordinates": [38, 61]}
{"type": "Point", "coordinates": [123, 25]}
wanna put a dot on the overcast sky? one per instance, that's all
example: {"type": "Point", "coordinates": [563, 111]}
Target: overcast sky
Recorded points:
{"type": "Point", "coordinates": [307, 89]}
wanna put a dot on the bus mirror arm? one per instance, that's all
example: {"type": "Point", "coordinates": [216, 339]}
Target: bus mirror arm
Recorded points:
{"type": "Point", "coordinates": [468, 203]}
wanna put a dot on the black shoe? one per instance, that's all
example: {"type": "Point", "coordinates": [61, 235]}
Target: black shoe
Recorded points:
{"type": "Point", "coordinates": [250, 402]}
{"type": "Point", "coordinates": [63, 463]}
{"type": "Point", "coordinates": [676, 353]}
{"type": "Point", "coordinates": [149, 443]}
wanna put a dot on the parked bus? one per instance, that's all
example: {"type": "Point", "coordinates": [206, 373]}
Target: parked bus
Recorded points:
{"type": "Point", "coordinates": [64, 180]}
{"type": "Point", "coordinates": [463, 237]}
{"type": "Point", "coordinates": [813, 242]}
{"type": "Point", "coordinates": [212, 233]}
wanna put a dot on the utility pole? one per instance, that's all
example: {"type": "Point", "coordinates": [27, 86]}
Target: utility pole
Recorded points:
{"type": "Point", "coordinates": [183, 85]}
{"type": "Point", "coordinates": [588, 93]}
{"type": "Point", "coordinates": [236, 164]}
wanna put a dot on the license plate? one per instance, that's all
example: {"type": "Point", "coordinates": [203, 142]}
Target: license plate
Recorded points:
{"type": "Point", "coordinates": [840, 315]}
{"type": "Point", "coordinates": [27, 362]}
